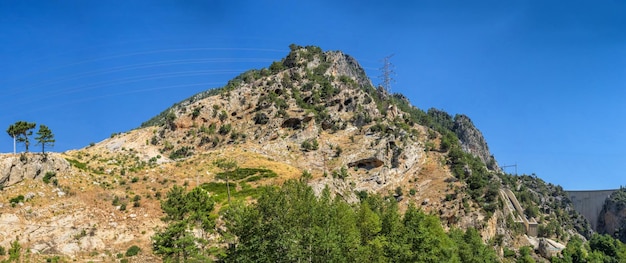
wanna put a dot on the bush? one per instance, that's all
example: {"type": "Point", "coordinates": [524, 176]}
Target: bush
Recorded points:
{"type": "Point", "coordinates": [276, 67]}
{"type": "Point", "coordinates": [17, 199]}
{"type": "Point", "coordinates": [195, 113]}
{"type": "Point", "coordinates": [54, 259]}
{"type": "Point", "coordinates": [132, 251]}
{"type": "Point", "coordinates": [399, 191]}
{"type": "Point", "coordinates": [261, 118]}
{"type": "Point", "coordinates": [508, 253]}
{"type": "Point", "coordinates": [225, 129]}
{"type": "Point", "coordinates": [309, 145]}
{"type": "Point", "coordinates": [338, 151]}
{"type": "Point", "coordinates": [223, 115]}
{"type": "Point", "coordinates": [77, 164]}
{"type": "Point", "coordinates": [48, 176]}
{"type": "Point", "coordinates": [341, 174]}
{"type": "Point", "coordinates": [116, 201]}
{"type": "Point", "coordinates": [182, 152]}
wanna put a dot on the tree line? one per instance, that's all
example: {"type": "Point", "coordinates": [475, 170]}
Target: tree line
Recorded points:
{"type": "Point", "coordinates": [21, 130]}
{"type": "Point", "coordinates": [292, 224]}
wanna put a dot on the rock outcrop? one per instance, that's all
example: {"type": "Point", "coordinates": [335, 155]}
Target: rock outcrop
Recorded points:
{"type": "Point", "coordinates": [612, 218]}
{"type": "Point", "coordinates": [472, 141]}
{"type": "Point", "coordinates": [14, 168]}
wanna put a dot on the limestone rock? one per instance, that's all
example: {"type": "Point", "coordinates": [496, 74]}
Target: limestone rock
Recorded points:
{"type": "Point", "coordinates": [16, 167]}
{"type": "Point", "coordinates": [472, 141]}
{"type": "Point", "coordinates": [612, 218]}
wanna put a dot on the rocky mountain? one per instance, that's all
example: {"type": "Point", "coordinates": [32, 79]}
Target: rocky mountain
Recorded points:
{"type": "Point", "coordinates": [612, 219]}
{"type": "Point", "coordinates": [314, 113]}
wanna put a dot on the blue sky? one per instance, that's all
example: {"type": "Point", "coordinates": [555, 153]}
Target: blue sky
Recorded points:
{"type": "Point", "coordinates": [543, 80]}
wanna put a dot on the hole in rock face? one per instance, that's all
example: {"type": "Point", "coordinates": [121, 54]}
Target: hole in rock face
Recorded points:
{"type": "Point", "coordinates": [293, 123]}
{"type": "Point", "coordinates": [367, 163]}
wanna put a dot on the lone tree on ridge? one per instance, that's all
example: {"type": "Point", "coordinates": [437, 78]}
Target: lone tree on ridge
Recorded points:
{"type": "Point", "coordinates": [20, 131]}
{"type": "Point", "coordinates": [44, 136]}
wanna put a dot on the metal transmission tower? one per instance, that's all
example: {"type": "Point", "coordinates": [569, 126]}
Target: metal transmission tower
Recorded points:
{"type": "Point", "coordinates": [387, 74]}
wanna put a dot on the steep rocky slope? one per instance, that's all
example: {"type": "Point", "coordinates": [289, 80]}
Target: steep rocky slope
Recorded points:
{"type": "Point", "coordinates": [612, 219]}
{"type": "Point", "coordinates": [312, 111]}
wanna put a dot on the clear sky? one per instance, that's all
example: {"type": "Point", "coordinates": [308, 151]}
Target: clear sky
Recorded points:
{"type": "Point", "coordinates": [545, 81]}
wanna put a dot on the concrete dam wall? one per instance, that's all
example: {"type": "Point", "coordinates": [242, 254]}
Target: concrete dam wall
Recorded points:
{"type": "Point", "coordinates": [589, 203]}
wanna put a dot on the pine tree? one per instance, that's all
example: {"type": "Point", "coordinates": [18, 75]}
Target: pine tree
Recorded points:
{"type": "Point", "coordinates": [20, 131]}
{"type": "Point", "coordinates": [44, 136]}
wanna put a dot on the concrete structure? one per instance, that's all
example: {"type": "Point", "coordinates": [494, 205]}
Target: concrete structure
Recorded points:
{"type": "Point", "coordinates": [590, 203]}
{"type": "Point", "coordinates": [549, 248]}
{"type": "Point", "coordinates": [511, 204]}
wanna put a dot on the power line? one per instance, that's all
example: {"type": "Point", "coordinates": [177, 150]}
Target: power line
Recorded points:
{"type": "Point", "coordinates": [511, 165]}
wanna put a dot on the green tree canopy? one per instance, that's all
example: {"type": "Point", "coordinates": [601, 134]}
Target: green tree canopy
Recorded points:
{"type": "Point", "coordinates": [184, 213]}
{"type": "Point", "coordinates": [20, 131]}
{"type": "Point", "coordinates": [44, 137]}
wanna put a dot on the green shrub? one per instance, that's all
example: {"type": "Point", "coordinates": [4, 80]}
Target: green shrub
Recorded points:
{"type": "Point", "coordinates": [509, 253]}
{"type": "Point", "coordinates": [338, 151]}
{"type": "Point", "coordinates": [48, 176]}
{"type": "Point", "coordinates": [341, 174]}
{"type": "Point", "coordinates": [225, 129]}
{"type": "Point", "coordinates": [309, 145]}
{"type": "Point", "coordinates": [182, 152]}
{"type": "Point", "coordinates": [77, 164]}
{"type": "Point", "coordinates": [261, 118]}
{"type": "Point", "coordinates": [195, 113]}
{"type": "Point", "coordinates": [399, 191]}
{"type": "Point", "coordinates": [276, 67]}
{"type": "Point", "coordinates": [15, 251]}
{"type": "Point", "coordinates": [116, 201]}
{"type": "Point", "coordinates": [223, 115]}
{"type": "Point", "coordinates": [132, 251]}
{"type": "Point", "coordinates": [17, 199]}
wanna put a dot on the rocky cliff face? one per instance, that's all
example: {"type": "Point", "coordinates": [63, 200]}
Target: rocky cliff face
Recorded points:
{"type": "Point", "coordinates": [470, 138]}
{"type": "Point", "coordinates": [472, 141]}
{"type": "Point", "coordinates": [14, 168]}
{"type": "Point", "coordinates": [612, 218]}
